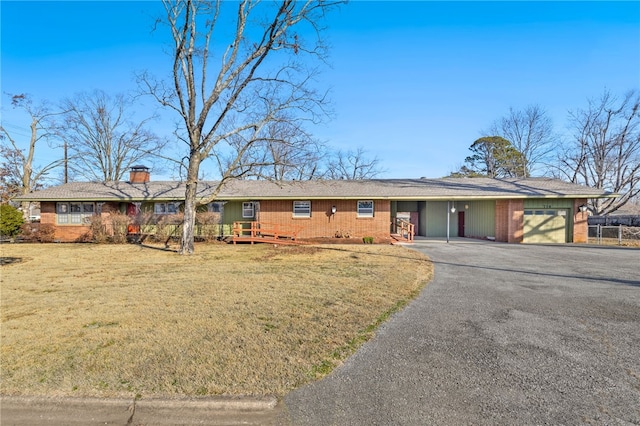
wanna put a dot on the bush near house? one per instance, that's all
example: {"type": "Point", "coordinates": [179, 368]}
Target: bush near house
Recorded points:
{"type": "Point", "coordinates": [10, 220]}
{"type": "Point", "coordinates": [37, 232]}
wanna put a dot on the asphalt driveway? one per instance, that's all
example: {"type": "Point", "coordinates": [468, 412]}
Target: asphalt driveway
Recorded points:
{"type": "Point", "coordinates": [504, 334]}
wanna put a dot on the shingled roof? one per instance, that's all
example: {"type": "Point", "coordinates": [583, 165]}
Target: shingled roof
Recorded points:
{"type": "Point", "coordinates": [396, 189]}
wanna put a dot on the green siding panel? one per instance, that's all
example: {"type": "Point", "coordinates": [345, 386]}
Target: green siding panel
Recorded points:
{"type": "Point", "coordinates": [546, 203]}
{"type": "Point", "coordinates": [232, 212]}
{"type": "Point", "coordinates": [479, 219]}
{"type": "Point", "coordinates": [407, 206]}
{"type": "Point", "coordinates": [435, 218]}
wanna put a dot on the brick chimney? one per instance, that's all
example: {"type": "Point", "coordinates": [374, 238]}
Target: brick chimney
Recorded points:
{"type": "Point", "coordinates": [139, 174]}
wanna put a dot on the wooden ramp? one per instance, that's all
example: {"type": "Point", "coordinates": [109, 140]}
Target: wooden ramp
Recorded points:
{"type": "Point", "coordinates": [403, 231]}
{"type": "Point", "coordinates": [262, 232]}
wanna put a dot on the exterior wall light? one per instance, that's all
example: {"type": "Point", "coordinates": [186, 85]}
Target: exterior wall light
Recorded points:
{"type": "Point", "coordinates": [333, 210]}
{"type": "Point", "coordinates": [583, 208]}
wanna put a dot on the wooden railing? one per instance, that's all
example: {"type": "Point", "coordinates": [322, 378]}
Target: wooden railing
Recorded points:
{"type": "Point", "coordinates": [405, 229]}
{"type": "Point", "coordinates": [264, 232]}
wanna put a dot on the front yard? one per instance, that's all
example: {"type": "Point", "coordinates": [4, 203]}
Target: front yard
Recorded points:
{"type": "Point", "coordinates": [130, 320]}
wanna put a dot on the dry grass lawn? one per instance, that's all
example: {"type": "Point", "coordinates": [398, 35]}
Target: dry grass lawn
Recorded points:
{"type": "Point", "coordinates": [133, 321]}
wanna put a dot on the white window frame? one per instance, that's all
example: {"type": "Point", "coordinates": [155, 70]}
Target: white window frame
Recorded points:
{"type": "Point", "coordinates": [248, 210]}
{"type": "Point", "coordinates": [302, 209]}
{"type": "Point", "coordinates": [166, 208]}
{"type": "Point", "coordinates": [365, 208]}
{"type": "Point", "coordinates": [74, 213]}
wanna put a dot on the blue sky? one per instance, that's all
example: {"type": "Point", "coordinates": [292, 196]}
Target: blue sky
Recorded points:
{"type": "Point", "coordinates": [414, 83]}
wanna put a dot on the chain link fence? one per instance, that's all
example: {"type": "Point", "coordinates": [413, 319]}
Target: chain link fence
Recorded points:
{"type": "Point", "coordinates": [614, 235]}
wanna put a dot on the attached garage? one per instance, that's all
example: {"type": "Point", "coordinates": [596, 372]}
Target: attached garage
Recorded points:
{"type": "Point", "coordinates": [545, 226]}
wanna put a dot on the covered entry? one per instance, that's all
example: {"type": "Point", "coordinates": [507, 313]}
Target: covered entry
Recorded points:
{"type": "Point", "coordinates": [545, 225]}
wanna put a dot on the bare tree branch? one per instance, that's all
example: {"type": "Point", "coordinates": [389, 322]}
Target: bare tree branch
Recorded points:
{"type": "Point", "coordinates": [228, 88]}
{"type": "Point", "coordinates": [605, 150]}
{"type": "Point", "coordinates": [530, 131]}
{"type": "Point", "coordinates": [104, 142]}
{"type": "Point", "coordinates": [19, 173]}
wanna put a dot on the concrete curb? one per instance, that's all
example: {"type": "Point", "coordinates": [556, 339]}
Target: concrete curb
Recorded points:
{"type": "Point", "coordinates": [243, 403]}
{"type": "Point", "coordinates": [70, 411]}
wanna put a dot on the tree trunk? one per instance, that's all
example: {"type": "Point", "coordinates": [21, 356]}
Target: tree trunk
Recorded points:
{"type": "Point", "coordinates": [188, 226]}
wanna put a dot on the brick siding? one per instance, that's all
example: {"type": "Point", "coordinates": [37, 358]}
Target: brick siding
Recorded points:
{"type": "Point", "coordinates": [323, 224]}
{"type": "Point", "coordinates": [580, 225]}
{"type": "Point", "coordinates": [509, 221]}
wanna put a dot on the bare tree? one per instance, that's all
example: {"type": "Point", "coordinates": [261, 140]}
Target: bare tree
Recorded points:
{"type": "Point", "coordinates": [530, 131]}
{"type": "Point", "coordinates": [19, 173]}
{"type": "Point", "coordinates": [285, 152]}
{"type": "Point", "coordinates": [352, 165]}
{"type": "Point", "coordinates": [226, 91]}
{"type": "Point", "coordinates": [102, 139]}
{"type": "Point", "coordinates": [605, 150]}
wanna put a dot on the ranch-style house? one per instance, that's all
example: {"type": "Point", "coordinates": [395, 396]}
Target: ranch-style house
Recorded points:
{"type": "Point", "coordinates": [533, 210]}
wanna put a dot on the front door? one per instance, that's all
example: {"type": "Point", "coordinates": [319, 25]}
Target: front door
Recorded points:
{"type": "Point", "coordinates": [461, 224]}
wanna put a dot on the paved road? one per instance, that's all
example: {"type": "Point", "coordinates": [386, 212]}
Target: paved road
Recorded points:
{"type": "Point", "coordinates": [505, 334]}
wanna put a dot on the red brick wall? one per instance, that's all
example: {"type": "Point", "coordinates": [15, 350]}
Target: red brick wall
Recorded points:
{"type": "Point", "coordinates": [509, 220]}
{"type": "Point", "coordinates": [71, 233]}
{"type": "Point", "coordinates": [323, 224]}
{"type": "Point", "coordinates": [580, 226]}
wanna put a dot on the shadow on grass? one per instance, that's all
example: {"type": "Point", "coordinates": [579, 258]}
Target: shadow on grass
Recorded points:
{"type": "Point", "coordinates": [10, 260]}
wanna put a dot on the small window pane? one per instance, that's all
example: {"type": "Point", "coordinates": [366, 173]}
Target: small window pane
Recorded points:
{"type": "Point", "coordinates": [302, 208]}
{"type": "Point", "coordinates": [87, 208]}
{"type": "Point", "coordinates": [365, 208]}
{"type": "Point", "coordinates": [247, 210]}
{"type": "Point", "coordinates": [172, 208]}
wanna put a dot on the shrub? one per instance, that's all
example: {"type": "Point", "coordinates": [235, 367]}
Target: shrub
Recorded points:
{"type": "Point", "coordinates": [10, 220]}
{"type": "Point", "coordinates": [367, 240]}
{"type": "Point", "coordinates": [98, 229]}
{"type": "Point", "coordinates": [208, 225]}
{"type": "Point", "coordinates": [38, 232]}
{"type": "Point", "coordinates": [342, 234]}
{"type": "Point", "coordinates": [169, 226]}
{"type": "Point", "coordinates": [120, 223]}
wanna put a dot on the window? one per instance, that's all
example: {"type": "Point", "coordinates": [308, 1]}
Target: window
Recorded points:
{"type": "Point", "coordinates": [165, 208]}
{"type": "Point", "coordinates": [248, 210]}
{"type": "Point", "coordinates": [74, 213]}
{"type": "Point", "coordinates": [365, 208]}
{"type": "Point", "coordinates": [302, 209]}
{"type": "Point", "coordinates": [216, 207]}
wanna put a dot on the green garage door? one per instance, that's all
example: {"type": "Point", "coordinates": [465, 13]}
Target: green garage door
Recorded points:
{"type": "Point", "coordinates": [545, 226]}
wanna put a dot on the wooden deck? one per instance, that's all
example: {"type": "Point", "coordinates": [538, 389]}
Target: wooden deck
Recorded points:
{"type": "Point", "coordinates": [261, 232]}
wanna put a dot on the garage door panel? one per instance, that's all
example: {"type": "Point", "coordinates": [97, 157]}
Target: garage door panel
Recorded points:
{"type": "Point", "coordinates": [545, 226]}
